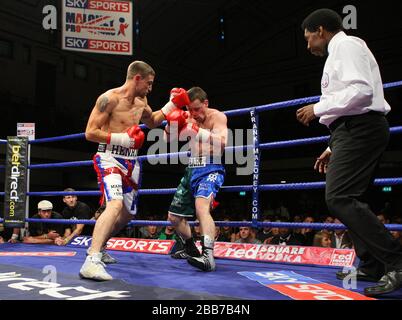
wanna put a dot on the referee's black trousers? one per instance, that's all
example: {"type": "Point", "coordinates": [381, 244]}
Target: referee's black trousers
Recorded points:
{"type": "Point", "coordinates": [357, 144]}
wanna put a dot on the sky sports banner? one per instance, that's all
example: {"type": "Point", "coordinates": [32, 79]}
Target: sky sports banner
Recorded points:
{"type": "Point", "coordinates": [15, 187]}
{"type": "Point", "coordinates": [98, 26]}
{"type": "Point", "coordinates": [128, 244]}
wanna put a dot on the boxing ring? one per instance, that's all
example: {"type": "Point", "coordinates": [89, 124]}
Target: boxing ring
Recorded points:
{"type": "Point", "coordinates": [29, 271]}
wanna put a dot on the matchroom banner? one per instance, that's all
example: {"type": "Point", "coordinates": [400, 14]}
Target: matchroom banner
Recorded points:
{"type": "Point", "coordinates": [16, 182]}
{"type": "Point", "coordinates": [98, 26]}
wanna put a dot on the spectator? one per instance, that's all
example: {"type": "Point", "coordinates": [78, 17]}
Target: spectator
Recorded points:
{"type": "Point", "coordinates": [9, 234]}
{"type": "Point", "coordinates": [44, 233]}
{"type": "Point", "coordinates": [286, 238]}
{"type": "Point", "coordinates": [383, 218]}
{"type": "Point", "coordinates": [227, 233]}
{"type": "Point", "coordinates": [297, 219]}
{"type": "Point", "coordinates": [274, 233]}
{"type": "Point", "coordinates": [307, 235]}
{"type": "Point", "coordinates": [328, 220]}
{"type": "Point", "coordinates": [149, 231]}
{"type": "Point", "coordinates": [265, 232]}
{"type": "Point", "coordinates": [340, 238]}
{"type": "Point", "coordinates": [1, 240]}
{"type": "Point", "coordinates": [322, 239]}
{"type": "Point", "coordinates": [218, 235]}
{"type": "Point", "coordinates": [397, 235]}
{"type": "Point", "coordinates": [74, 210]}
{"type": "Point", "coordinates": [168, 234]}
{"type": "Point", "coordinates": [246, 236]}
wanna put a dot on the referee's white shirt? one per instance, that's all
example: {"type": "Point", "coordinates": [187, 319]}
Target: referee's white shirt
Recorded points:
{"type": "Point", "coordinates": [351, 83]}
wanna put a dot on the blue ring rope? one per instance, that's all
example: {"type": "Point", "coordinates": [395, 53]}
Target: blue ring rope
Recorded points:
{"type": "Point", "coordinates": [263, 146]}
{"type": "Point", "coordinates": [233, 224]}
{"type": "Point", "coordinates": [268, 187]}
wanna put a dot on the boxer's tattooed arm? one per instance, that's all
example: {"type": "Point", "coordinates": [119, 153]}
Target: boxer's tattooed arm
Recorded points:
{"type": "Point", "coordinates": [103, 102]}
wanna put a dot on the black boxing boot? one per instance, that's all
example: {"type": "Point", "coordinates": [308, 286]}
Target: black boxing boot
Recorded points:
{"type": "Point", "coordinates": [188, 249]}
{"type": "Point", "coordinates": [206, 261]}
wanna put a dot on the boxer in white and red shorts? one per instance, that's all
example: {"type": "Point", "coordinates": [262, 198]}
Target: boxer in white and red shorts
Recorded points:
{"type": "Point", "coordinates": [113, 124]}
{"type": "Point", "coordinates": [118, 172]}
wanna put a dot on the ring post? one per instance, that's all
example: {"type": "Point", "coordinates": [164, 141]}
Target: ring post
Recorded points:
{"type": "Point", "coordinates": [256, 168]}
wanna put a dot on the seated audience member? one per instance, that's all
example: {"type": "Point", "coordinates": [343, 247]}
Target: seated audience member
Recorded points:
{"type": "Point", "coordinates": [246, 236]}
{"type": "Point", "coordinates": [297, 219]}
{"type": "Point", "coordinates": [44, 233]}
{"type": "Point", "coordinates": [322, 239]}
{"type": "Point", "coordinates": [1, 240]}
{"type": "Point", "coordinates": [168, 233]}
{"type": "Point", "coordinates": [306, 236]}
{"type": "Point", "coordinates": [264, 233]}
{"type": "Point", "coordinates": [149, 231]}
{"type": "Point", "coordinates": [10, 235]}
{"type": "Point", "coordinates": [397, 235]}
{"type": "Point", "coordinates": [76, 210]}
{"type": "Point", "coordinates": [227, 233]}
{"type": "Point", "coordinates": [286, 238]}
{"type": "Point", "coordinates": [328, 220]}
{"type": "Point", "coordinates": [218, 235]}
{"type": "Point", "coordinates": [383, 218]}
{"type": "Point", "coordinates": [340, 238]}
{"type": "Point", "coordinates": [274, 233]}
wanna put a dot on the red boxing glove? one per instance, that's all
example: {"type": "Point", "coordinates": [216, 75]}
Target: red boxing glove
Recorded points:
{"type": "Point", "coordinates": [178, 116]}
{"type": "Point", "coordinates": [178, 99]}
{"type": "Point", "coordinates": [133, 138]}
{"type": "Point", "coordinates": [137, 135]}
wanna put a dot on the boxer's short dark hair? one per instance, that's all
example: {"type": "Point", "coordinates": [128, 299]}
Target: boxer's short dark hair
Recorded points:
{"type": "Point", "coordinates": [139, 67]}
{"type": "Point", "coordinates": [326, 18]}
{"type": "Point", "coordinates": [197, 93]}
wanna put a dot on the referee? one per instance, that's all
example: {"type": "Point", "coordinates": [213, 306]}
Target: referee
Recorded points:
{"type": "Point", "coordinates": [353, 107]}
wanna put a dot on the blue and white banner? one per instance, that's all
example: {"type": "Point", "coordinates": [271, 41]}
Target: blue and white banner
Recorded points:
{"type": "Point", "coordinates": [98, 26]}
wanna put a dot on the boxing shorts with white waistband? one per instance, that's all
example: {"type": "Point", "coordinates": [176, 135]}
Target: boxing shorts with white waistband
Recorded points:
{"type": "Point", "coordinates": [202, 179]}
{"type": "Point", "coordinates": [119, 174]}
